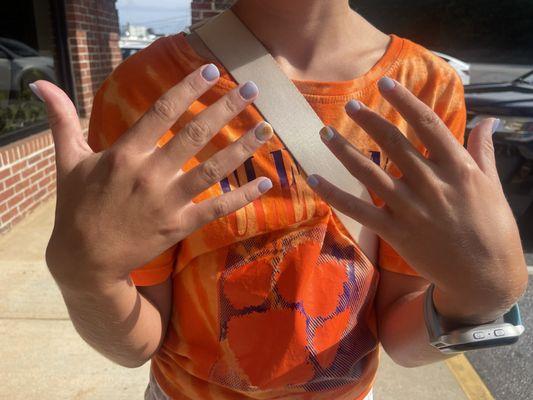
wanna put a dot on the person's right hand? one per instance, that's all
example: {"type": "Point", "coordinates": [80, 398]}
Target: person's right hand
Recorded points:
{"type": "Point", "coordinates": [120, 208]}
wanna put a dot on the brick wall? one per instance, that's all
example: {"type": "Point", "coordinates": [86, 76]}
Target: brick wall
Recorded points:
{"type": "Point", "coordinates": [27, 166]}
{"type": "Point", "coordinates": [27, 177]}
{"type": "Point", "coordinates": [201, 9]}
{"type": "Point", "coordinates": [93, 32]}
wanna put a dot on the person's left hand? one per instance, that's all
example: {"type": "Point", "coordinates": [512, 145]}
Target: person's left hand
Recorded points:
{"type": "Point", "coordinates": [447, 215]}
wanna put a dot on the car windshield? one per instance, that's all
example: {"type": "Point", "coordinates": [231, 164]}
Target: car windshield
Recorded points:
{"type": "Point", "coordinates": [18, 48]}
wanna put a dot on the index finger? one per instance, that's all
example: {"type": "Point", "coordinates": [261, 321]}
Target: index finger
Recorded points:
{"type": "Point", "coordinates": [164, 113]}
{"type": "Point", "coordinates": [429, 128]}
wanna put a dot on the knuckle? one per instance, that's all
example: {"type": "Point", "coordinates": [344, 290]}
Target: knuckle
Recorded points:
{"type": "Point", "coordinates": [248, 147]}
{"type": "Point", "coordinates": [211, 172]}
{"type": "Point", "coordinates": [429, 119]}
{"type": "Point", "coordinates": [221, 208]}
{"type": "Point", "coordinates": [165, 109]}
{"type": "Point", "coordinates": [467, 173]}
{"type": "Point", "coordinates": [144, 180]}
{"type": "Point", "coordinates": [231, 105]}
{"type": "Point", "coordinates": [118, 159]}
{"type": "Point", "coordinates": [196, 131]}
{"type": "Point", "coordinates": [248, 196]}
{"type": "Point", "coordinates": [394, 140]}
{"type": "Point", "coordinates": [193, 85]}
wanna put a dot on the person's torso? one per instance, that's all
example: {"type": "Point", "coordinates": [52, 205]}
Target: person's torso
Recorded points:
{"type": "Point", "coordinates": [275, 300]}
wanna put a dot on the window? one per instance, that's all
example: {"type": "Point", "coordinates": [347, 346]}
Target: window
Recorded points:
{"type": "Point", "coordinates": [29, 51]}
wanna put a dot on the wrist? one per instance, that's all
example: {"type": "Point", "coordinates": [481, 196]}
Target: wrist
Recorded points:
{"type": "Point", "coordinates": [77, 275]}
{"type": "Point", "coordinates": [468, 308]}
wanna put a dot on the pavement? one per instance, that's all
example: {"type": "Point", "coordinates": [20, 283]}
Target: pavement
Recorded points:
{"type": "Point", "coordinates": [44, 358]}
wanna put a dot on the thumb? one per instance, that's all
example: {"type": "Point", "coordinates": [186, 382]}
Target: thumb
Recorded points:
{"type": "Point", "coordinates": [69, 143]}
{"type": "Point", "coordinates": [481, 147]}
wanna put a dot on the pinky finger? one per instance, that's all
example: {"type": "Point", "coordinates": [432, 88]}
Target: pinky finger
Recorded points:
{"type": "Point", "coordinates": [209, 210]}
{"type": "Point", "coordinates": [374, 218]}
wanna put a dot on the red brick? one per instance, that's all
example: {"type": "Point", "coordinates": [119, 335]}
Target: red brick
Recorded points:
{"type": "Point", "coordinates": [4, 173]}
{"type": "Point", "coordinates": [28, 171]}
{"type": "Point", "coordinates": [18, 166]}
{"type": "Point", "coordinates": [12, 180]}
{"type": "Point", "coordinates": [36, 177]}
{"type": "Point", "coordinates": [25, 204]}
{"type": "Point", "coordinates": [9, 215]}
{"type": "Point", "coordinates": [34, 159]}
{"type": "Point", "coordinates": [15, 200]}
{"type": "Point", "coordinates": [22, 185]}
{"type": "Point", "coordinates": [6, 194]}
{"type": "Point", "coordinates": [29, 191]}
{"type": "Point", "coordinates": [45, 181]}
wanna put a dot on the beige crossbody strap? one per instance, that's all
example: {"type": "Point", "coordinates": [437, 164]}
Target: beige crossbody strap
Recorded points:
{"type": "Point", "coordinates": [284, 107]}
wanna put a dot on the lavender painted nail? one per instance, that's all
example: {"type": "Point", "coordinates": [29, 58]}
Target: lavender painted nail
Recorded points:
{"type": "Point", "coordinates": [36, 91]}
{"type": "Point", "coordinates": [353, 106]}
{"type": "Point", "coordinates": [265, 185]}
{"type": "Point", "coordinates": [327, 133]}
{"type": "Point", "coordinates": [210, 73]}
{"type": "Point", "coordinates": [386, 84]}
{"type": "Point", "coordinates": [496, 125]}
{"type": "Point", "coordinates": [249, 90]}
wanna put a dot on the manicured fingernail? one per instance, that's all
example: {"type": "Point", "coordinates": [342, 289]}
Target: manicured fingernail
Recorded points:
{"type": "Point", "coordinates": [353, 106]}
{"type": "Point", "coordinates": [265, 185]}
{"type": "Point", "coordinates": [327, 133]}
{"type": "Point", "coordinates": [210, 72]}
{"type": "Point", "coordinates": [386, 84]}
{"type": "Point", "coordinates": [496, 125]}
{"type": "Point", "coordinates": [249, 90]}
{"type": "Point", "coordinates": [36, 91]}
{"type": "Point", "coordinates": [312, 181]}
{"type": "Point", "coordinates": [263, 131]}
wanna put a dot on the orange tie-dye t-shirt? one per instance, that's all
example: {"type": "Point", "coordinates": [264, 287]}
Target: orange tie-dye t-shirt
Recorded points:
{"type": "Point", "coordinates": [274, 301]}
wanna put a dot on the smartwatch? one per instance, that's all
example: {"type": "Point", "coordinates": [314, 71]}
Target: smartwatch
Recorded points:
{"type": "Point", "coordinates": [483, 336]}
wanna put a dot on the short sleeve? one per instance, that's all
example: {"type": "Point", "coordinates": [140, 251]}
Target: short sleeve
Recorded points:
{"type": "Point", "coordinates": [115, 109]}
{"type": "Point", "coordinates": [449, 104]}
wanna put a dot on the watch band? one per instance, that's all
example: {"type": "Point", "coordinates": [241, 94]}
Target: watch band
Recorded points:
{"type": "Point", "coordinates": [474, 337]}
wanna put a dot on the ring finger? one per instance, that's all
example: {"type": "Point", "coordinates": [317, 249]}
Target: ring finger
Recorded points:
{"type": "Point", "coordinates": [223, 163]}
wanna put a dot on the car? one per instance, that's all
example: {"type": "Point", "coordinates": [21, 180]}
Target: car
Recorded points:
{"type": "Point", "coordinates": [20, 65]}
{"type": "Point", "coordinates": [462, 68]}
{"type": "Point", "coordinates": [512, 103]}
{"type": "Point", "coordinates": [129, 47]}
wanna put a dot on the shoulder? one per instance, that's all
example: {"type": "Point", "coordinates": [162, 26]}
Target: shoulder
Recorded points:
{"type": "Point", "coordinates": [421, 70]}
{"type": "Point", "coordinates": [135, 85]}
{"type": "Point", "coordinates": [151, 70]}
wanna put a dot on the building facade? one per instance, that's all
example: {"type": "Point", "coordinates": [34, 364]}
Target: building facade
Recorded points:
{"type": "Point", "coordinates": [73, 43]}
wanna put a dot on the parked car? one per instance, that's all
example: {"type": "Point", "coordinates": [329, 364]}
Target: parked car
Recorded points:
{"type": "Point", "coordinates": [129, 47]}
{"type": "Point", "coordinates": [20, 65]}
{"type": "Point", "coordinates": [512, 103]}
{"type": "Point", "coordinates": [462, 68]}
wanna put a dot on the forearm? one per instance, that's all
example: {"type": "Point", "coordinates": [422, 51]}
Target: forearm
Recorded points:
{"type": "Point", "coordinates": [402, 325]}
{"type": "Point", "coordinates": [403, 332]}
{"type": "Point", "coordinates": [118, 322]}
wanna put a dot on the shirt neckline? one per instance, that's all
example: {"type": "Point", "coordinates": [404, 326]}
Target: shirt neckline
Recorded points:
{"type": "Point", "coordinates": [331, 89]}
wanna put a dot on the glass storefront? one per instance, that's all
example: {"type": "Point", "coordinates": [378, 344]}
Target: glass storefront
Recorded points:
{"type": "Point", "coordinates": [29, 50]}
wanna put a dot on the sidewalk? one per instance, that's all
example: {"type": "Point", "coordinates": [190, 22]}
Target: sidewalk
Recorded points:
{"type": "Point", "coordinates": [44, 358]}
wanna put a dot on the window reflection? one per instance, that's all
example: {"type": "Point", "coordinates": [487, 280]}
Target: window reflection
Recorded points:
{"type": "Point", "coordinates": [26, 55]}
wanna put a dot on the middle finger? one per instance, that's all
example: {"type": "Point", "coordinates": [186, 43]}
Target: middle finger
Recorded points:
{"type": "Point", "coordinates": [390, 139]}
{"type": "Point", "coordinates": [199, 131]}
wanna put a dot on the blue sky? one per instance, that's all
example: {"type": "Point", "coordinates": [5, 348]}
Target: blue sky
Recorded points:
{"type": "Point", "coordinates": [165, 16]}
